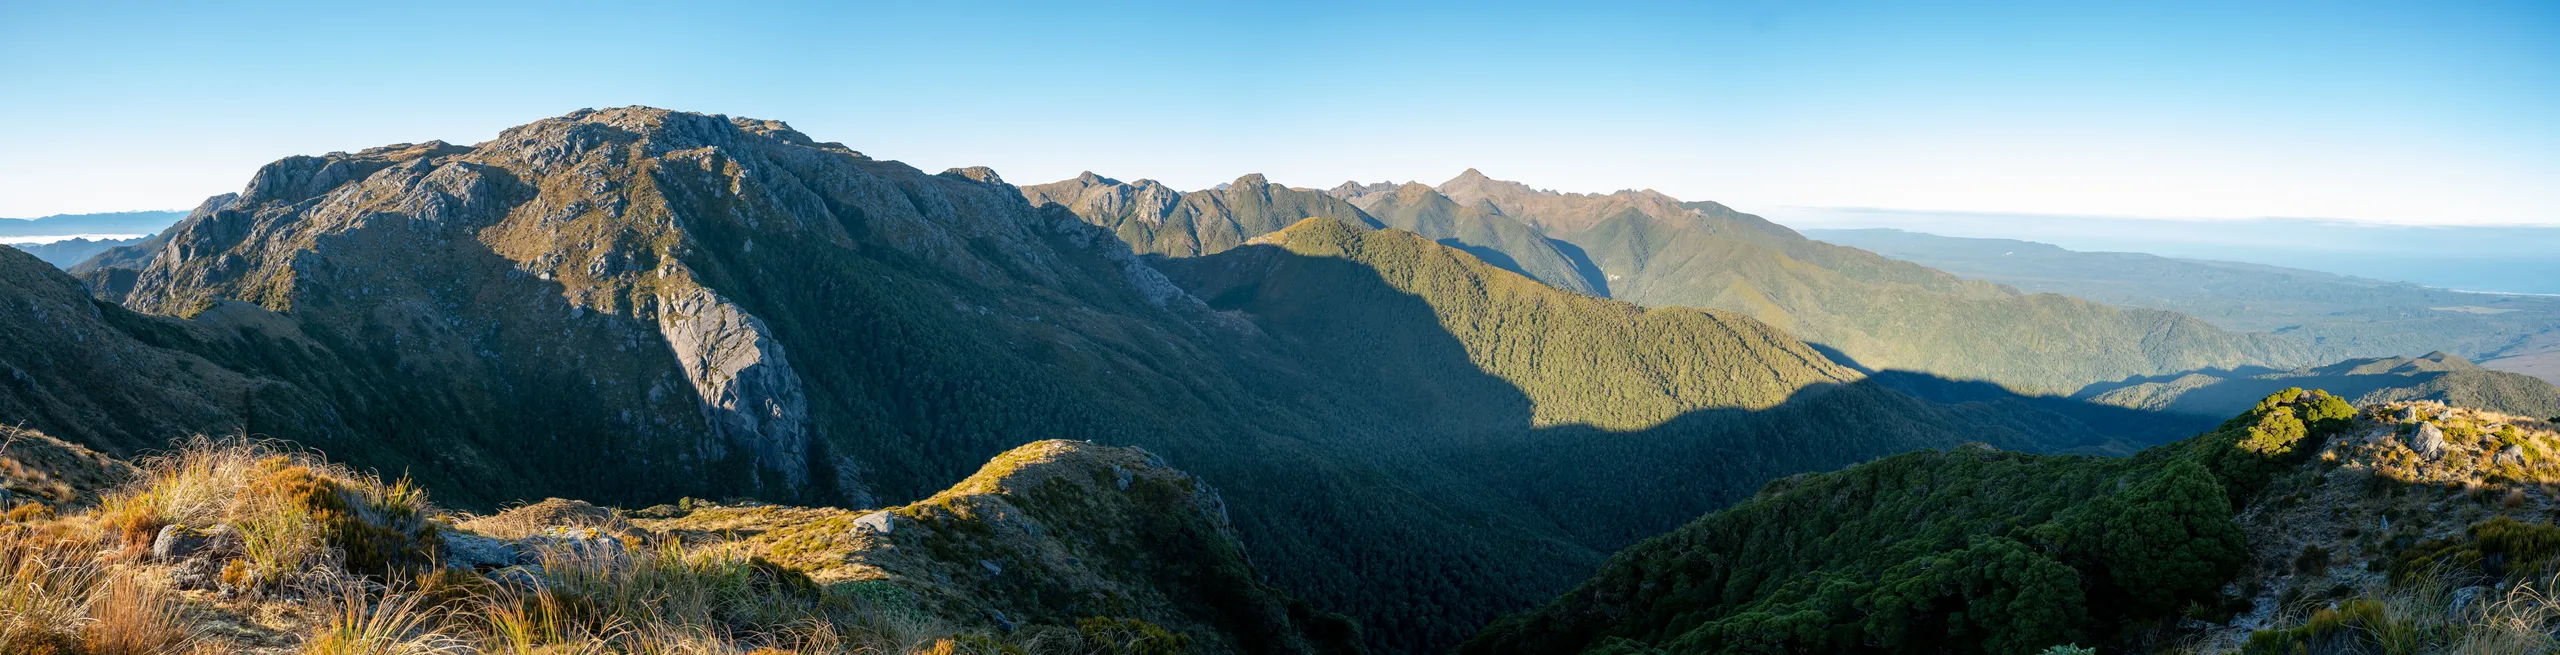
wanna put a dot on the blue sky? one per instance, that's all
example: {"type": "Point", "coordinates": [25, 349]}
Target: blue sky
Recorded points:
{"type": "Point", "coordinates": [2437, 112]}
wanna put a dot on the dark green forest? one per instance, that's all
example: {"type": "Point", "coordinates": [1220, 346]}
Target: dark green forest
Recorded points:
{"type": "Point", "coordinates": [1947, 551]}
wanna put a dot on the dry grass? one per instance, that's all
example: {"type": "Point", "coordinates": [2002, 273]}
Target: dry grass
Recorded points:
{"type": "Point", "coordinates": [2522, 620]}
{"type": "Point", "coordinates": [530, 520]}
{"type": "Point", "coordinates": [296, 514]}
{"type": "Point", "coordinates": [2416, 618]}
{"type": "Point", "coordinates": [364, 622]}
{"type": "Point", "coordinates": [56, 597]}
{"type": "Point", "coordinates": [75, 585]}
{"type": "Point", "coordinates": [131, 617]}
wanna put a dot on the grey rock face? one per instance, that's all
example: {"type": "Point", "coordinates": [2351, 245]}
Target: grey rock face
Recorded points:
{"type": "Point", "coordinates": [2428, 441]}
{"type": "Point", "coordinates": [979, 174]}
{"type": "Point", "coordinates": [178, 542]}
{"type": "Point", "coordinates": [2463, 599]}
{"type": "Point", "coordinates": [2408, 414]}
{"type": "Point", "coordinates": [569, 542]}
{"type": "Point", "coordinates": [750, 397]}
{"type": "Point", "coordinates": [2511, 455]}
{"type": "Point", "coordinates": [471, 551]}
{"type": "Point", "coordinates": [199, 573]}
{"type": "Point", "coordinates": [880, 522]}
{"type": "Point", "coordinates": [1144, 201]}
{"type": "Point", "coordinates": [520, 578]}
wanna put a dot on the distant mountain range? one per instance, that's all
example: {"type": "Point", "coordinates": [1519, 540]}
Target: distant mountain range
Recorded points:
{"type": "Point", "coordinates": [135, 222]}
{"type": "Point", "coordinates": [66, 253]}
{"type": "Point", "coordinates": [1655, 250]}
{"type": "Point", "coordinates": [2439, 377]}
{"type": "Point", "coordinates": [2500, 258]}
{"type": "Point", "coordinates": [2347, 316]}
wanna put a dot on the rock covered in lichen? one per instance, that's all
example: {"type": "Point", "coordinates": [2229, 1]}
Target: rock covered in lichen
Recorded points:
{"type": "Point", "coordinates": [2427, 440]}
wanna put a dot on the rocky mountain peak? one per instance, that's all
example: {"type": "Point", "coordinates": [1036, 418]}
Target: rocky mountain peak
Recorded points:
{"type": "Point", "coordinates": [979, 174]}
{"type": "Point", "coordinates": [607, 231]}
{"type": "Point", "coordinates": [1473, 181]}
{"type": "Point", "coordinates": [1360, 195]}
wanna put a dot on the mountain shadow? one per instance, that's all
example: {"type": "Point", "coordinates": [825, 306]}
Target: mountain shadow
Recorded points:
{"type": "Point", "coordinates": [1588, 422]}
{"type": "Point", "coordinates": [1590, 272]}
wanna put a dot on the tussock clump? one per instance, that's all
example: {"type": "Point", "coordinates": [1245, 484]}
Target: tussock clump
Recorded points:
{"type": "Point", "coordinates": [294, 512]}
{"type": "Point", "coordinates": [2424, 615]}
{"type": "Point", "coordinates": [363, 622]}
{"type": "Point", "coordinates": [534, 519]}
{"type": "Point", "coordinates": [56, 598]}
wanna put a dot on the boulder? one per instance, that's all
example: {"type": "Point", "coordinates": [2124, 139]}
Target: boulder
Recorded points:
{"type": "Point", "coordinates": [519, 578]}
{"type": "Point", "coordinates": [2428, 441]}
{"type": "Point", "coordinates": [880, 522]}
{"type": "Point", "coordinates": [569, 542]}
{"type": "Point", "coordinates": [2462, 599]}
{"type": "Point", "coordinates": [198, 573]}
{"type": "Point", "coordinates": [178, 542]}
{"type": "Point", "coordinates": [2408, 414]}
{"type": "Point", "coordinates": [2511, 455]}
{"type": "Point", "coordinates": [463, 550]}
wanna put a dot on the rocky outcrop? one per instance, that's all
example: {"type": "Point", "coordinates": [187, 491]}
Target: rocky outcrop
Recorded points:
{"type": "Point", "coordinates": [749, 394]}
{"type": "Point", "coordinates": [1145, 201]}
{"type": "Point", "coordinates": [2427, 441]}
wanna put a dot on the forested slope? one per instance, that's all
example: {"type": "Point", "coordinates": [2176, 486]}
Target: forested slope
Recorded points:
{"type": "Point", "coordinates": [2304, 524]}
{"type": "Point", "coordinates": [1960, 551]}
{"type": "Point", "coordinates": [1888, 314]}
{"type": "Point", "coordinates": [1678, 406]}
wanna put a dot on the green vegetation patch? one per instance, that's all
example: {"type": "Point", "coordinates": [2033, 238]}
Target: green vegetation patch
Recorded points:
{"type": "Point", "coordinates": [1954, 551]}
{"type": "Point", "coordinates": [2497, 549]}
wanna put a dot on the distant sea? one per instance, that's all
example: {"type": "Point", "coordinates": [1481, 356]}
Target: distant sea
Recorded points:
{"type": "Point", "coordinates": [2498, 259]}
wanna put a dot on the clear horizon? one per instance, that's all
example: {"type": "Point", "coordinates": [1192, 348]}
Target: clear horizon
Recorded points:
{"type": "Point", "coordinates": [2372, 112]}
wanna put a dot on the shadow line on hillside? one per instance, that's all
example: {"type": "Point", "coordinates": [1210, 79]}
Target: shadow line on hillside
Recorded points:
{"type": "Point", "coordinates": [1385, 352]}
{"type": "Point", "coordinates": [1583, 265]}
{"type": "Point", "coordinates": [2095, 388]}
